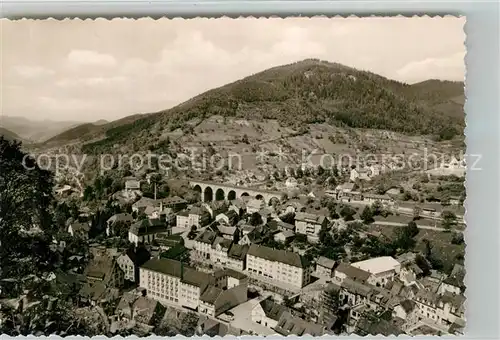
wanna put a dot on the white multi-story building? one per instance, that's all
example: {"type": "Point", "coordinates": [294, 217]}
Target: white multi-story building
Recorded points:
{"type": "Point", "coordinates": [279, 265]}
{"type": "Point", "coordinates": [169, 281]}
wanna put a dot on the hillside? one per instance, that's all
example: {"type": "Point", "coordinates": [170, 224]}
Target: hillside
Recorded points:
{"type": "Point", "coordinates": [9, 135]}
{"type": "Point", "coordinates": [306, 92]}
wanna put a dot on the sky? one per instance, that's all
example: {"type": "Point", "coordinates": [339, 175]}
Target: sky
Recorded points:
{"type": "Point", "coordinates": [87, 70]}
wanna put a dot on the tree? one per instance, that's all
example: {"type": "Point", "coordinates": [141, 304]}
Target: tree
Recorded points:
{"type": "Point", "coordinates": [26, 202]}
{"type": "Point", "coordinates": [416, 212]}
{"type": "Point", "coordinates": [367, 215]}
{"type": "Point", "coordinates": [255, 219]}
{"type": "Point", "coordinates": [377, 208]}
{"type": "Point", "coordinates": [412, 229]}
{"type": "Point", "coordinates": [347, 213]}
{"type": "Point", "coordinates": [237, 236]}
{"type": "Point", "coordinates": [449, 219]}
{"type": "Point", "coordinates": [457, 238]}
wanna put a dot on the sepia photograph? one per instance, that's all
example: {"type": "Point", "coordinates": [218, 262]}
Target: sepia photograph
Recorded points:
{"type": "Point", "coordinates": [230, 177]}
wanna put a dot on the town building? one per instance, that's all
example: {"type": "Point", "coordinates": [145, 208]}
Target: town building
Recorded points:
{"type": "Point", "coordinates": [325, 267]}
{"type": "Point", "coordinates": [203, 244]}
{"type": "Point", "coordinates": [345, 271]}
{"type": "Point", "coordinates": [230, 217]}
{"type": "Point", "coordinates": [79, 230]}
{"type": "Point", "coordinates": [280, 265]}
{"type": "Point", "coordinates": [173, 282]}
{"type": "Point", "coordinates": [255, 205]}
{"type": "Point", "coordinates": [382, 269]}
{"type": "Point", "coordinates": [310, 225]}
{"type": "Point", "coordinates": [130, 261]}
{"type": "Point", "coordinates": [236, 257]}
{"type": "Point", "coordinates": [230, 290]}
{"type": "Point", "coordinates": [132, 184]}
{"type": "Point", "coordinates": [220, 250]}
{"type": "Point", "coordinates": [195, 216]}
{"type": "Point", "coordinates": [284, 236]}
{"type": "Point", "coordinates": [147, 230]}
{"type": "Point", "coordinates": [268, 313]}
{"type": "Point", "coordinates": [121, 219]}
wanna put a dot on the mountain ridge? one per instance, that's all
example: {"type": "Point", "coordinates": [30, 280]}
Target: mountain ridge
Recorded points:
{"type": "Point", "coordinates": [301, 93]}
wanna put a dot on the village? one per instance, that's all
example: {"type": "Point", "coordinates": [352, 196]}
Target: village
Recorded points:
{"type": "Point", "coordinates": [223, 259]}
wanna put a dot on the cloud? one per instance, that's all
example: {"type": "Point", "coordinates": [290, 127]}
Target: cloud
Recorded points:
{"type": "Point", "coordinates": [92, 58]}
{"type": "Point", "coordinates": [449, 67]}
{"type": "Point", "coordinates": [27, 71]}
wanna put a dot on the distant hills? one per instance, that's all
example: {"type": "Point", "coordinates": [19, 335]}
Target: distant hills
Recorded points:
{"type": "Point", "coordinates": [306, 92]}
{"type": "Point", "coordinates": [35, 130]}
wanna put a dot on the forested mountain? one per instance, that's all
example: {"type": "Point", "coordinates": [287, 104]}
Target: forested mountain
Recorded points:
{"type": "Point", "coordinates": [305, 92]}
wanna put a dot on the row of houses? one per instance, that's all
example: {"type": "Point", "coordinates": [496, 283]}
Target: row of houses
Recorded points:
{"type": "Point", "coordinates": [384, 284]}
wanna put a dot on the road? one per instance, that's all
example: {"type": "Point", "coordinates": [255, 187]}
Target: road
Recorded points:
{"type": "Point", "coordinates": [427, 227]}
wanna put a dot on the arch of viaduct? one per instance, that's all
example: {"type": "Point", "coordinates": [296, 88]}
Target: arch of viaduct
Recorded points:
{"type": "Point", "coordinates": [211, 191]}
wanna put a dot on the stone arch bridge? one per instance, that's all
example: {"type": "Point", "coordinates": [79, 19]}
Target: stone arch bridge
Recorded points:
{"type": "Point", "coordinates": [216, 191]}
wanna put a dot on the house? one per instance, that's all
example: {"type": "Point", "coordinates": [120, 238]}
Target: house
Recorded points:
{"type": "Point", "coordinates": [454, 283]}
{"type": "Point", "coordinates": [293, 207]}
{"type": "Point", "coordinates": [361, 174]}
{"type": "Point", "coordinates": [203, 244]}
{"type": "Point", "coordinates": [383, 199]}
{"type": "Point", "coordinates": [132, 184]}
{"type": "Point", "coordinates": [367, 327]}
{"type": "Point", "coordinates": [141, 205]}
{"type": "Point", "coordinates": [230, 217]}
{"type": "Point", "coordinates": [280, 265]}
{"type": "Point", "coordinates": [80, 230]}
{"type": "Point", "coordinates": [220, 250]}
{"type": "Point", "coordinates": [195, 216]}
{"type": "Point", "coordinates": [215, 208]}
{"type": "Point", "coordinates": [130, 261]}
{"type": "Point", "coordinates": [230, 290]}
{"type": "Point", "coordinates": [175, 203]}
{"type": "Point", "coordinates": [444, 310]}
{"type": "Point", "coordinates": [147, 230]}
{"type": "Point", "coordinates": [325, 267]}
{"type": "Point", "coordinates": [344, 271]}
{"type": "Point", "coordinates": [310, 225]}
{"type": "Point", "coordinates": [284, 236]}
{"type": "Point", "coordinates": [342, 189]}
{"type": "Point", "coordinates": [141, 309]}
{"type": "Point", "coordinates": [291, 183]}
{"type": "Point", "coordinates": [268, 313]}
{"type": "Point", "coordinates": [407, 311]}
{"type": "Point", "coordinates": [255, 205]}
{"type": "Point", "coordinates": [122, 219]}
{"type": "Point", "coordinates": [257, 235]}
{"type": "Point", "coordinates": [454, 200]}
{"type": "Point", "coordinates": [381, 269]}
{"type": "Point", "coordinates": [103, 278]}
{"type": "Point", "coordinates": [266, 215]}
{"type": "Point", "coordinates": [280, 225]}
{"type": "Point", "coordinates": [293, 325]}
{"type": "Point", "coordinates": [227, 232]}
{"type": "Point", "coordinates": [236, 257]}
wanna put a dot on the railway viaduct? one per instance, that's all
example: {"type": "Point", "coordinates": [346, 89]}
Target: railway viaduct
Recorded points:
{"type": "Point", "coordinates": [210, 191]}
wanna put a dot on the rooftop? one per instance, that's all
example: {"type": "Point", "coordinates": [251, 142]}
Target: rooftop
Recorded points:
{"type": "Point", "coordinates": [325, 262]}
{"type": "Point", "coordinates": [283, 256]}
{"type": "Point", "coordinates": [353, 272]}
{"type": "Point", "coordinates": [377, 265]}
